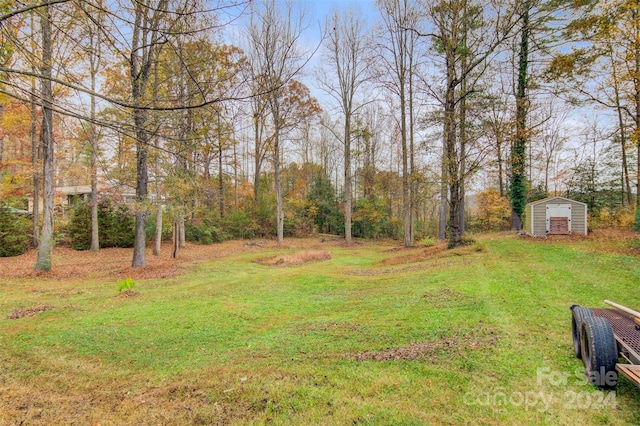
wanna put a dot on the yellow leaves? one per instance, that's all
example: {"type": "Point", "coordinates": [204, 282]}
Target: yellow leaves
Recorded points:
{"type": "Point", "coordinates": [493, 210]}
{"type": "Point", "coordinates": [561, 65]}
{"type": "Point", "coordinates": [15, 185]}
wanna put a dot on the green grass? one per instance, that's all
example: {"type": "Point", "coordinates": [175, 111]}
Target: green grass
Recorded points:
{"type": "Point", "coordinates": [474, 336]}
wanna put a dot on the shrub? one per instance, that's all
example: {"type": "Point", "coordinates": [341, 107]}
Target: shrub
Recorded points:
{"type": "Point", "coordinates": [14, 233]}
{"type": "Point", "coordinates": [116, 226]}
{"type": "Point", "coordinates": [205, 231]}
{"type": "Point", "coordinates": [372, 219]}
{"type": "Point", "coordinates": [428, 242]}
{"type": "Point", "coordinates": [121, 230]}
{"type": "Point", "coordinates": [493, 213]}
{"type": "Point", "coordinates": [79, 227]}
{"type": "Point", "coordinates": [150, 230]}
{"type": "Point", "coordinates": [636, 224]}
{"type": "Point", "coordinates": [240, 225]}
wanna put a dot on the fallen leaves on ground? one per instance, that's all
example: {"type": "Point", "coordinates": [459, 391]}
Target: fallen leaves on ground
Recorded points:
{"type": "Point", "coordinates": [299, 258]}
{"type": "Point", "coordinates": [116, 262]}
{"type": "Point", "coordinates": [27, 312]}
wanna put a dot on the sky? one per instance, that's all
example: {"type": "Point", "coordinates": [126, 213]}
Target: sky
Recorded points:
{"type": "Point", "coordinates": [317, 12]}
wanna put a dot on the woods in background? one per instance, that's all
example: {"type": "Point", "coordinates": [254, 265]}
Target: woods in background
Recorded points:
{"type": "Point", "coordinates": [415, 118]}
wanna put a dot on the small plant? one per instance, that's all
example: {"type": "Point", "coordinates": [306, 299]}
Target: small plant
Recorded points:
{"type": "Point", "coordinates": [479, 247]}
{"type": "Point", "coordinates": [126, 284]}
{"type": "Point", "coordinates": [428, 242]}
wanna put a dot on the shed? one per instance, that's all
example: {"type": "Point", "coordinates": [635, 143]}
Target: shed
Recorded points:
{"type": "Point", "coordinates": [554, 216]}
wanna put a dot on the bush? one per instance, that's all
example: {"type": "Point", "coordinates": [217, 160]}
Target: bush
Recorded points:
{"type": "Point", "coordinates": [240, 225]}
{"type": "Point", "coordinates": [79, 227]}
{"type": "Point", "coordinates": [636, 224]}
{"type": "Point", "coordinates": [14, 233]}
{"type": "Point", "coordinates": [492, 214]}
{"type": "Point", "coordinates": [371, 219]}
{"type": "Point", "coordinates": [612, 217]}
{"type": "Point", "coordinates": [150, 230]}
{"type": "Point", "coordinates": [205, 231]}
{"type": "Point", "coordinates": [116, 226]}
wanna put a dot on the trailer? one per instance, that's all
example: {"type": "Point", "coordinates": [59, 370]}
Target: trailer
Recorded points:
{"type": "Point", "coordinates": [602, 337]}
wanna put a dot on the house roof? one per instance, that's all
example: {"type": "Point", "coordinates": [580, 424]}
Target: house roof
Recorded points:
{"type": "Point", "coordinates": [73, 190]}
{"type": "Point", "coordinates": [546, 200]}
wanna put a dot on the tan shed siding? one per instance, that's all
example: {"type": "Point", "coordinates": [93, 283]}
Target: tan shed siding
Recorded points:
{"type": "Point", "coordinates": [578, 218]}
{"type": "Point", "coordinates": [527, 220]}
{"type": "Point", "coordinates": [531, 220]}
{"type": "Point", "coordinates": [540, 219]}
{"type": "Point", "coordinates": [536, 216]}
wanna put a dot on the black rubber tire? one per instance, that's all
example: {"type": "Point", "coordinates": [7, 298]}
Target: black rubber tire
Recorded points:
{"type": "Point", "coordinates": [599, 352]}
{"type": "Point", "coordinates": [578, 313]}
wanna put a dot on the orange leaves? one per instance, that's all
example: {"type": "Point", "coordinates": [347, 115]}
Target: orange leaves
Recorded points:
{"type": "Point", "coordinates": [493, 210]}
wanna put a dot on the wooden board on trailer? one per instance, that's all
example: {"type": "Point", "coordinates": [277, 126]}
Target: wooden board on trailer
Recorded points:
{"type": "Point", "coordinates": [630, 371]}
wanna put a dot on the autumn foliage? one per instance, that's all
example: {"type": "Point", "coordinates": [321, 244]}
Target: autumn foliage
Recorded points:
{"type": "Point", "coordinates": [493, 212]}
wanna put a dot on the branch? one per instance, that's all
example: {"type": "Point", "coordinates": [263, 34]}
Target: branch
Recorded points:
{"type": "Point", "coordinates": [29, 8]}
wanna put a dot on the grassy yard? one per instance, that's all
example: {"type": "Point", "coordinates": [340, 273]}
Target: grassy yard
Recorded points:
{"type": "Point", "coordinates": [368, 334]}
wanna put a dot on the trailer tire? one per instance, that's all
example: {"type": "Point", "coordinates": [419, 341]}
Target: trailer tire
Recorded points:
{"type": "Point", "coordinates": [578, 313]}
{"type": "Point", "coordinates": [599, 352]}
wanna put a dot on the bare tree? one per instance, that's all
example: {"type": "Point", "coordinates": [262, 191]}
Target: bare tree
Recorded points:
{"type": "Point", "coordinates": [35, 146]}
{"type": "Point", "coordinates": [93, 33]}
{"type": "Point", "coordinates": [145, 41]}
{"type": "Point", "coordinates": [463, 23]}
{"type": "Point", "coordinates": [274, 34]}
{"type": "Point", "coordinates": [400, 19]}
{"type": "Point", "coordinates": [345, 52]}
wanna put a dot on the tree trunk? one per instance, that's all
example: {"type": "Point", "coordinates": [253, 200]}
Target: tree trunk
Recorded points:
{"type": "Point", "coordinates": [463, 122]}
{"type": "Point", "coordinates": [235, 176]}
{"type": "Point", "coordinates": [347, 177]}
{"type": "Point", "coordinates": [276, 170]}
{"type": "Point", "coordinates": [636, 82]}
{"type": "Point", "coordinates": [518, 188]}
{"type": "Point", "coordinates": [2, 132]}
{"type": "Point", "coordinates": [257, 154]}
{"type": "Point", "coordinates": [626, 185]}
{"type": "Point", "coordinates": [45, 248]}
{"type": "Point", "coordinates": [455, 234]}
{"type": "Point", "coordinates": [95, 237]}
{"type": "Point", "coordinates": [412, 165]}
{"type": "Point", "coordinates": [638, 176]}
{"type": "Point", "coordinates": [142, 181]}
{"type": "Point", "coordinates": [444, 198]}
{"type": "Point", "coordinates": [220, 176]}
{"type": "Point", "coordinates": [406, 194]}
{"type": "Point", "coordinates": [35, 160]}
{"type": "Point", "coordinates": [181, 234]}
{"type": "Point", "coordinates": [174, 239]}
{"type": "Point", "coordinates": [500, 166]}
{"type": "Point", "coordinates": [158, 245]}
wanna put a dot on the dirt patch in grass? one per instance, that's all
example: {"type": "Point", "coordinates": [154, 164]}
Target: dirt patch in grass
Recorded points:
{"type": "Point", "coordinates": [28, 312]}
{"type": "Point", "coordinates": [182, 403]}
{"type": "Point", "coordinates": [438, 251]}
{"type": "Point", "coordinates": [127, 294]}
{"type": "Point", "coordinates": [299, 258]}
{"type": "Point", "coordinates": [413, 255]}
{"type": "Point", "coordinates": [407, 269]}
{"type": "Point", "coordinates": [427, 350]}
{"type": "Point", "coordinates": [443, 298]}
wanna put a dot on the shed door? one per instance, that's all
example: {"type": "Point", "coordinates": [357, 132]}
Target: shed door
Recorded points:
{"type": "Point", "coordinates": [559, 218]}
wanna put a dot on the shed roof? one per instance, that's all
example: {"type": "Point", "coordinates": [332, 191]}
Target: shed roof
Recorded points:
{"type": "Point", "coordinates": [546, 200]}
